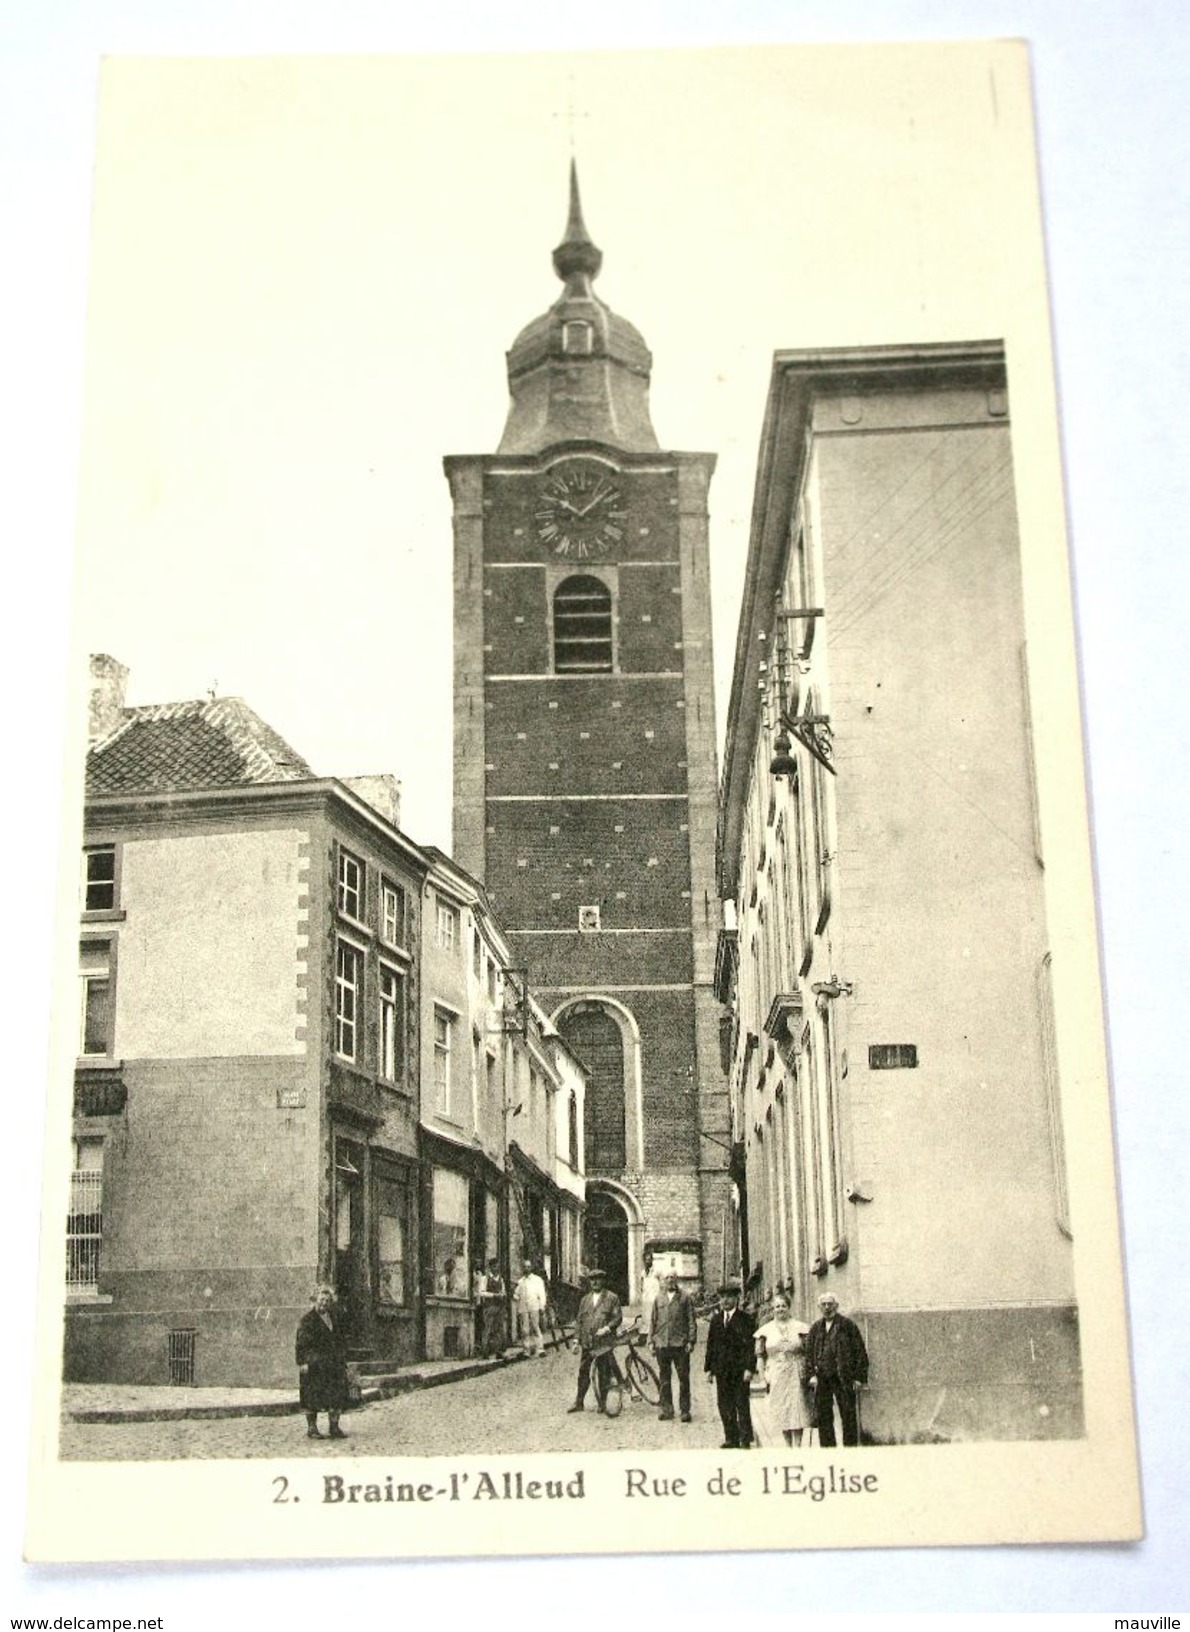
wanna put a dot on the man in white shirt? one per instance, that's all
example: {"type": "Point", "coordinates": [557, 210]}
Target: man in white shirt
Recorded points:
{"type": "Point", "coordinates": [529, 1297]}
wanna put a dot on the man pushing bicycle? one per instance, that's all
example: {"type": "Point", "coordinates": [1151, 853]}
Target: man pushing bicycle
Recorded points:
{"type": "Point", "coordinates": [598, 1320]}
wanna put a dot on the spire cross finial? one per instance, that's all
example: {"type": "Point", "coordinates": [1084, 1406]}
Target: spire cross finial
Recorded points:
{"type": "Point", "coordinates": [571, 114]}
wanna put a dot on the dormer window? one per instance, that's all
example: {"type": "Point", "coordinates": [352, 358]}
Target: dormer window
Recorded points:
{"type": "Point", "coordinates": [578, 338]}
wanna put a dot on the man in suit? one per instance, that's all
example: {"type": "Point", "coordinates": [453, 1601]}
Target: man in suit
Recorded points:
{"type": "Point", "coordinates": [321, 1356]}
{"type": "Point", "coordinates": [836, 1368]}
{"type": "Point", "coordinates": [731, 1360]}
{"type": "Point", "coordinates": [673, 1326]}
{"type": "Point", "coordinates": [597, 1322]}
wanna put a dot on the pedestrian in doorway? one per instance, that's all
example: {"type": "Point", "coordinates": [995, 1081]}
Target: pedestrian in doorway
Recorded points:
{"type": "Point", "coordinates": [650, 1287]}
{"type": "Point", "coordinates": [730, 1360]}
{"type": "Point", "coordinates": [598, 1321]}
{"type": "Point", "coordinates": [321, 1355]}
{"type": "Point", "coordinates": [836, 1369]}
{"type": "Point", "coordinates": [529, 1296]}
{"type": "Point", "coordinates": [491, 1310]}
{"type": "Point", "coordinates": [673, 1328]}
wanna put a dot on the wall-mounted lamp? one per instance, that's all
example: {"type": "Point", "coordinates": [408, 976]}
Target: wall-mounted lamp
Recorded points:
{"type": "Point", "coordinates": [783, 762]}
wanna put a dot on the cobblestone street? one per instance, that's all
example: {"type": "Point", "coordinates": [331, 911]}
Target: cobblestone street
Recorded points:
{"type": "Point", "coordinates": [518, 1408]}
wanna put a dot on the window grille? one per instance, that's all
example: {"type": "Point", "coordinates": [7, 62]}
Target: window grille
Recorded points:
{"type": "Point", "coordinates": [84, 1230]}
{"type": "Point", "coordinates": [892, 1057]}
{"type": "Point", "coordinates": [181, 1356]}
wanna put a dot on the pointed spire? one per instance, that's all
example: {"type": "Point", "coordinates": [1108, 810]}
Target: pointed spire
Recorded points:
{"type": "Point", "coordinates": [578, 372]}
{"type": "Point", "coordinates": [576, 253]}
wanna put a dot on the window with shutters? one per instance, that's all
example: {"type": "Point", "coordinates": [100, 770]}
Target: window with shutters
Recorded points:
{"type": "Point", "coordinates": [582, 627]}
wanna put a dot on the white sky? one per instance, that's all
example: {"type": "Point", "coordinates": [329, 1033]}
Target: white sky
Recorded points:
{"type": "Point", "coordinates": [306, 273]}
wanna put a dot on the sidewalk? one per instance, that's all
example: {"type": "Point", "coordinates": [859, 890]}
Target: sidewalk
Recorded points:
{"type": "Point", "coordinates": [132, 1402]}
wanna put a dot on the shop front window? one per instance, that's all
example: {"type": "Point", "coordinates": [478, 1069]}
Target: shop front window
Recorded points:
{"type": "Point", "coordinates": [449, 1237]}
{"type": "Point", "coordinates": [392, 1241]}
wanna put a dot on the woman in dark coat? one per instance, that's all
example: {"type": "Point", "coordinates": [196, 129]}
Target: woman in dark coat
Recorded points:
{"type": "Point", "coordinates": [322, 1365]}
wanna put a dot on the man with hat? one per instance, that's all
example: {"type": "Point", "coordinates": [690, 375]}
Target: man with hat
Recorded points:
{"type": "Point", "coordinates": [597, 1322]}
{"type": "Point", "coordinates": [730, 1360]}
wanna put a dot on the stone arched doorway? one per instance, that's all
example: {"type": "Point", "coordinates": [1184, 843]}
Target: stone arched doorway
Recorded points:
{"type": "Point", "coordinates": [605, 1240]}
{"type": "Point", "coordinates": [612, 1231]}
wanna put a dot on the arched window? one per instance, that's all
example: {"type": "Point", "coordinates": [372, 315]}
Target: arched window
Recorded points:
{"type": "Point", "coordinates": [582, 627]}
{"type": "Point", "coordinates": [596, 1039]}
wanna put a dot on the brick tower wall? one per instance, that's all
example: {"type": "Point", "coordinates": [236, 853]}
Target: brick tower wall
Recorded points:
{"type": "Point", "coordinates": [599, 790]}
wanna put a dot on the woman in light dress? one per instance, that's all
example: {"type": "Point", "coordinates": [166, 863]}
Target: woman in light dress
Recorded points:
{"type": "Point", "coordinates": [780, 1349]}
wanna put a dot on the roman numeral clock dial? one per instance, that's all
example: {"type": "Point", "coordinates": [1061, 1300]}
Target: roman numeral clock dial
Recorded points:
{"type": "Point", "coordinates": [580, 511]}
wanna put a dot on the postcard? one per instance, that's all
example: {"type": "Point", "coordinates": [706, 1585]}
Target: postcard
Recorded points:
{"type": "Point", "coordinates": [578, 1023]}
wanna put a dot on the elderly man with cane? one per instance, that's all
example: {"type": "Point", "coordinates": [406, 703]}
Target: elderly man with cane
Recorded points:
{"type": "Point", "coordinates": [836, 1369]}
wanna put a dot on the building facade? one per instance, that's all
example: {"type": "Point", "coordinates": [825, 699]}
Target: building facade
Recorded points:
{"type": "Point", "coordinates": [259, 1099]}
{"type": "Point", "coordinates": [585, 758]}
{"type": "Point", "coordinates": [495, 1183]}
{"type": "Point", "coordinates": [896, 1111]}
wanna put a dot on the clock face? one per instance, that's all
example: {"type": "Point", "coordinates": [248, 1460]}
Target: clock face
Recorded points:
{"type": "Point", "coordinates": [580, 510]}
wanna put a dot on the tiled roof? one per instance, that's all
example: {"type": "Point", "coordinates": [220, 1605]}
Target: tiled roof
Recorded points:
{"type": "Point", "coordinates": [175, 747]}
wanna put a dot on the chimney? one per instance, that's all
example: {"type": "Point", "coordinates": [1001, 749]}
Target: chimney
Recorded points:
{"type": "Point", "coordinates": [105, 707]}
{"type": "Point", "coordinates": [382, 792]}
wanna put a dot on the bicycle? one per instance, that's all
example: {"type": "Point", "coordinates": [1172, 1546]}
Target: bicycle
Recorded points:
{"type": "Point", "coordinates": [639, 1375]}
{"type": "Point", "coordinates": [553, 1329]}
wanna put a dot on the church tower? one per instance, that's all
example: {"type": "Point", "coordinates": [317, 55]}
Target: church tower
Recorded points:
{"type": "Point", "coordinates": [585, 776]}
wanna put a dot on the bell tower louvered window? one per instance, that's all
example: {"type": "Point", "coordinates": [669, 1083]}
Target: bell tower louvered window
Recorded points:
{"type": "Point", "coordinates": [582, 627]}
